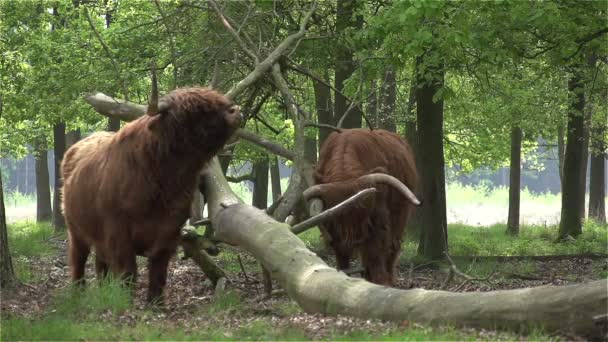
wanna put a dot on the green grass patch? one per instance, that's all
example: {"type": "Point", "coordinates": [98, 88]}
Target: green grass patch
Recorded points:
{"type": "Point", "coordinates": [108, 295]}
{"type": "Point", "coordinates": [532, 240]}
{"type": "Point", "coordinates": [19, 199]}
{"type": "Point", "coordinates": [29, 239]}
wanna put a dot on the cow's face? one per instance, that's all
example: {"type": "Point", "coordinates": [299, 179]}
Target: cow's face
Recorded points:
{"type": "Point", "coordinates": [199, 117]}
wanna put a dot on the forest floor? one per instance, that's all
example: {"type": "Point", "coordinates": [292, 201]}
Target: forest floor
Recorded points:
{"type": "Point", "coordinates": [47, 308]}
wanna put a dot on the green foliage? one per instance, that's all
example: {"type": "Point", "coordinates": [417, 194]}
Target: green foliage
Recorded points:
{"type": "Point", "coordinates": [29, 239]}
{"type": "Point", "coordinates": [108, 295]}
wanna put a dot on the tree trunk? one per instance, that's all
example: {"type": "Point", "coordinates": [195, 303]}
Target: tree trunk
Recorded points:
{"type": "Point", "coordinates": [414, 226]}
{"type": "Point", "coordinates": [514, 181]}
{"type": "Point", "coordinates": [71, 138]}
{"type": "Point", "coordinates": [584, 163]}
{"type": "Point", "coordinates": [113, 124]}
{"type": "Point", "coordinates": [318, 288]}
{"type": "Point", "coordinates": [260, 185]}
{"type": "Point", "coordinates": [597, 178]}
{"type": "Point", "coordinates": [572, 192]}
{"type": "Point", "coordinates": [310, 149]}
{"type": "Point", "coordinates": [197, 206]}
{"type": "Point", "coordinates": [59, 147]}
{"type": "Point", "coordinates": [344, 64]}
{"type": "Point", "coordinates": [275, 178]}
{"type": "Point", "coordinates": [433, 240]}
{"type": "Point", "coordinates": [388, 96]}
{"type": "Point", "coordinates": [7, 274]}
{"type": "Point", "coordinates": [371, 109]}
{"type": "Point", "coordinates": [561, 148]}
{"type": "Point", "coordinates": [324, 109]}
{"type": "Point", "coordinates": [44, 211]}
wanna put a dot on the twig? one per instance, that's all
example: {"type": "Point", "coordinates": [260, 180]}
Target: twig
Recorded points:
{"type": "Point", "coordinates": [265, 143]}
{"type": "Point", "coordinates": [238, 255]}
{"type": "Point", "coordinates": [270, 210]}
{"type": "Point", "coordinates": [106, 49]}
{"type": "Point", "coordinates": [203, 222]}
{"type": "Point", "coordinates": [235, 34]}
{"type": "Point", "coordinates": [332, 212]}
{"type": "Point", "coordinates": [320, 125]}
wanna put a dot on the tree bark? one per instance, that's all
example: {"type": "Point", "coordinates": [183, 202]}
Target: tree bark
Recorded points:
{"type": "Point", "coordinates": [7, 274]}
{"type": "Point", "coordinates": [597, 177]}
{"type": "Point", "coordinates": [260, 184]}
{"type": "Point", "coordinates": [318, 288]}
{"type": "Point", "coordinates": [387, 100]}
{"type": "Point", "coordinates": [344, 64]}
{"type": "Point", "coordinates": [44, 211]}
{"type": "Point", "coordinates": [561, 148]}
{"type": "Point", "coordinates": [434, 239]}
{"type": "Point", "coordinates": [572, 192]}
{"type": "Point", "coordinates": [324, 109]}
{"type": "Point", "coordinates": [371, 109]}
{"type": "Point", "coordinates": [514, 181]}
{"type": "Point", "coordinates": [71, 138]}
{"type": "Point", "coordinates": [275, 178]}
{"type": "Point", "coordinates": [59, 150]}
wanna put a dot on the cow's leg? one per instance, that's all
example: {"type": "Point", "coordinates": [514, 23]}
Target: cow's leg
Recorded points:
{"type": "Point", "coordinates": [393, 259]}
{"type": "Point", "coordinates": [375, 251]}
{"type": "Point", "coordinates": [101, 267]}
{"type": "Point", "coordinates": [123, 264]}
{"type": "Point", "coordinates": [77, 258]}
{"type": "Point", "coordinates": [157, 270]}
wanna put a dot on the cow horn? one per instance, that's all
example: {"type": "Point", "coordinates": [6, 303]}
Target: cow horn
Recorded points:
{"type": "Point", "coordinates": [375, 178]}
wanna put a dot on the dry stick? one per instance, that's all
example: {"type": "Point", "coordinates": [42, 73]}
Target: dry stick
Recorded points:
{"type": "Point", "coordinates": [270, 210]}
{"type": "Point", "coordinates": [234, 34]}
{"type": "Point", "coordinates": [238, 255]}
{"type": "Point", "coordinates": [320, 125]}
{"type": "Point", "coordinates": [455, 271]}
{"type": "Point", "coordinates": [332, 212]}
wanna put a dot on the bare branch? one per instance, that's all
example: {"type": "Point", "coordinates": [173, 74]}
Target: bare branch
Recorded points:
{"type": "Point", "coordinates": [267, 144]}
{"type": "Point", "coordinates": [333, 211]}
{"type": "Point", "coordinates": [230, 29]}
{"type": "Point", "coordinates": [241, 178]}
{"type": "Point", "coordinates": [265, 65]}
{"type": "Point", "coordinates": [320, 125]}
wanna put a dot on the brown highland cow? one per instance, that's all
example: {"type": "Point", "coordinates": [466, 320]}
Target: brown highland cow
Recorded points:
{"type": "Point", "coordinates": [128, 193]}
{"type": "Point", "coordinates": [355, 159]}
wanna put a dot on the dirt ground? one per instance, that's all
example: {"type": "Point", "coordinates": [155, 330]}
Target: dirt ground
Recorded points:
{"type": "Point", "coordinates": [188, 289]}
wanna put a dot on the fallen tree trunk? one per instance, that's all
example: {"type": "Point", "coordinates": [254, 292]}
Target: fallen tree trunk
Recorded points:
{"type": "Point", "coordinates": [319, 288]}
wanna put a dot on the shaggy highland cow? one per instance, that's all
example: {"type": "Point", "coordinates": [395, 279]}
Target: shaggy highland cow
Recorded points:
{"type": "Point", "coordinates": [129, 193]}
{"type": "Point", "coordinates": [356, 159]}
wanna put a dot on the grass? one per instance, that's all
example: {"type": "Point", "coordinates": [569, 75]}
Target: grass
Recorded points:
{"type": "Point", "coordinates": [19, 199]}
{"type": "Point", "coordinates": [29, 240]}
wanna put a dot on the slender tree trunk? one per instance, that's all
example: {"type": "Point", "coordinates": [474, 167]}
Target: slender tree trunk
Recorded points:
{"type": "Point", "coordinates": [572, 192]}
{"type": "Point", "coordinates": [72, 137]}
{"type": "Point", "coordinates": [433, 242]}
{"type": "Point", "coordinates": [561, 149]}
{"type": "Point", "coordinates": [324, 109]}
{"type": "Point", "coordinates": [414, 226]}
{"type": "Point", "coordinates": [113, 124]}
{"type": "Point", "coordinates": [260, 185]}
{"type": "Point", "coordinates": [388, 97]}
{"type": "Point", "coordinates": [514, 181]}
{"type": "Point", "coordinates": [585, 162]}
{"type": "Point", "coordinates": [371, 109]}
{"type": "Point", "coordinates": [196, 207]}
{"type": "Point", "coordinates": [44, 211]}
{"type": "Point", "coordinates": [597, 177]}
{"type": "Point", "coordinates": [7, 274]}
{"type": "Point", "coordinates": [344, 64]}
{"type": "Point", "coordinates": [59, 147]}
{"type": "Point", "coordinates": [310, 149]}
{"type": "Point", "coordinates": [275, 178]}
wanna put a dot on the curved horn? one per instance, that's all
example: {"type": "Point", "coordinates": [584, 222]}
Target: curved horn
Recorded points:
{"type": "Point", "coordinates": [153, 105]}
{"type": "Point", "coordinates": [375, 178]}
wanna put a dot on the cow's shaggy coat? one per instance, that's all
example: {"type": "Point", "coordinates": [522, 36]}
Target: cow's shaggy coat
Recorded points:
{"type": "Point", "coordinates": [375, 228]}
{"type": "Point", "coordinates": [128, 193]}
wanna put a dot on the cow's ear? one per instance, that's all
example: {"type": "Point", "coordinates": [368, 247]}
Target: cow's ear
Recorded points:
{"type": "Point", "coordinates": [155, 123]}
